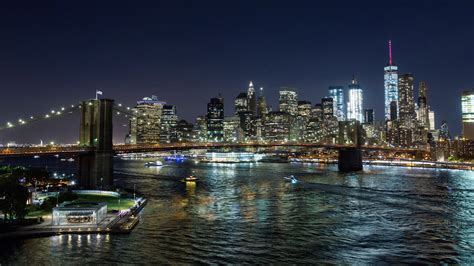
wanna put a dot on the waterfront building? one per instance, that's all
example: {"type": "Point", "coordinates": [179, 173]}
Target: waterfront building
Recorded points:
{"type": "Point", "coordinates": [232, 129]}
{"type": "Point", "coordinates": [79, 214]}
{"type": "Point", "coordinates": [467, 107]}
{"type": "Point", "coordinates": [355, 101]}
{"type": "Point", "coordinates": [169, 121]}
{"type": "Point", "coordinates": [369, 116]}
{"type": "Point", "coordinates": [200, 129]}
{"type": "Point", "coordinates": [288, 101]}
{"type": "Point", "coordinates": [241, 103]}
{"type": "Point", "coordinates": [252, 99]}
{"type": "Point", "coordinates": [391, 85]}
{"type": "Point", "coordinates": [328, 107]}
{"type": "Point", "coordinates": [215, 120]}
{"type": "Point", "coordinates": [337, 94]}
{"type": "Point", "coordinates": [277, 126]}
{"type": "Point", "coordinates": [184, 131]}
{"type": "Point", "coordinates": [145, 127]}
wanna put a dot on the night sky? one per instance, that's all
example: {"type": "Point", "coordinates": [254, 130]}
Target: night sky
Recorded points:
{"type": "Point", "coordinates": [58, 53]}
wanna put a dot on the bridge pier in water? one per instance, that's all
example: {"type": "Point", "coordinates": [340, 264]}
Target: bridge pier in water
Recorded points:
{"type": "Point", "coordinates": [350, 158]}
{"type": "Point", "coordinates": [96, 132]}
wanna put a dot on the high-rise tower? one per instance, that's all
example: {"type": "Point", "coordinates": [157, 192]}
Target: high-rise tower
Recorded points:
{"type": "Point", "coordinates": [337, 94]}
{"type": "Point", "coordinates": [423, 110]}
{"type": "Point", "coordinates": [390, 83]}
{"type": "Point", "coordinates": [355, 102]}
{"type": "Point", "coordinates": [252, 99]}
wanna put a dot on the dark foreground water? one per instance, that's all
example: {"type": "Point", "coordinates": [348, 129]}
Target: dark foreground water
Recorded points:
{"type": "Point", "coordinates": [248, 214]}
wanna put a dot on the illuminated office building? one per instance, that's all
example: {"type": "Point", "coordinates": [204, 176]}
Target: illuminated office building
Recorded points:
{"type": "Point", "coordinates": [467, 105]}
{"type": "Point", "coordinates": [215, 120]}
{"type": "Point", "coordinates": [423, 111]}
{"type": "Point", "coordinates": [169, 121]}
{"type": "Point", "coordinates": [328, 107]}
{"type": "Point", "coordinates": [288, 101]}
{"type": "Point", "coordinates": [146, 126]}
{"type": "Point", "coordinates": [431, 116]}
{"type": "Point", "coordinates": [337, 94]}
{"type": "Point", "coordinates": [277, 126]}
{"type": "Point", "coordinates": [406, 104]}
{"type": "Point", "coordinates": [262, 108]}
{"type": "Point", "coordinates": [391, 84]}
{"type": "Point", "coordinates": [355, 102]}
{"type": "Point", "coordinates": [241, 103]}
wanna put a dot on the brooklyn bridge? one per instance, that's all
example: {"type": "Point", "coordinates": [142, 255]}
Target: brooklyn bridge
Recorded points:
{"type": "Point", "coordinates": [95, 150]}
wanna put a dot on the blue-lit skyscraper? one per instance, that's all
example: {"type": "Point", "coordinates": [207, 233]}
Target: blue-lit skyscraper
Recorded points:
{"type": "Point", "coordinates": [355, 102]}
{"type": "Point", "coordinates": [337, 95]}
{"type": "Point", "coordinates": [390, 83]}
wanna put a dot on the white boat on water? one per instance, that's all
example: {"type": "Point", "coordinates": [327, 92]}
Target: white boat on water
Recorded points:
{"type": "Point", "coordinates": [154, 164]}
{"type": "Point", "coordinates": [291, 179]}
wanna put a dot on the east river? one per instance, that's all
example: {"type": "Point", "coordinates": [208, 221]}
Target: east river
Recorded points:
{"type": "Point", "coordinates": [247, 213]}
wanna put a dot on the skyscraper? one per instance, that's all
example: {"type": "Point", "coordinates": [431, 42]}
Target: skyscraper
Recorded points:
{"type": "Point", "coordinates": [215, 120]}
{"type": "Point", "coordinates": [423, 111]}
{"type": "Point", "coordinates": [390, 83]}
{"type": "Point", "coordinates": [241, 103]}
{"type": "Point", "coordinates": [262, 109]}
{"type": "Point", "coordinates": [355, 102]}
{"type": "Point", "coordinates": [406, 104]}
{"type": "Point", "coordinates": [328, 107]}
{"type": "Point", "coordinates": [288, 101]}
{"type": "Point", "coordinates": [467, 104]}
{"type": "Point", "coordinates": [337, 94]}
{"type": "Point", "coordinates": [252, 99]}
{"type": "Point", "coordinates": [145, 127]}
{"type": "Point", "coordinates": [169, 121]}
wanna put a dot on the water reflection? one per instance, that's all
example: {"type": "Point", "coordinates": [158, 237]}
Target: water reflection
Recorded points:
{"type": "Point", "coordinates": [240, 213]}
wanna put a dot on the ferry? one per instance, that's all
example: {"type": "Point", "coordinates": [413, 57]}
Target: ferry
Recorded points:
{"type": "Point", "coordinates": [154, 164]}
{"type": "Point", "coordinates": [231, 157]}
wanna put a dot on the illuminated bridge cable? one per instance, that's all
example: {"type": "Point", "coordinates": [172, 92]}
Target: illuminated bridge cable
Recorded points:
{"type": "Point", "coordinates": [56, 112]}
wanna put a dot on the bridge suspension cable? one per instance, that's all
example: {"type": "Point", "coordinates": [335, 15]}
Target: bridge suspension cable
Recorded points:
{"type": "Point", "coordinates": [54, 113]}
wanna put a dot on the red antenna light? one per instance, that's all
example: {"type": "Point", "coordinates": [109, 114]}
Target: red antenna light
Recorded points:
{"type": "Point", "coordinates": [390, 51]}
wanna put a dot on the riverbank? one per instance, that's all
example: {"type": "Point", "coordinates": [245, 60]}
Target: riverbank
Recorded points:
{"type": "Point", "coordinates": [119, 223]}
{"type": "Point", "coordinates": [396, 162]}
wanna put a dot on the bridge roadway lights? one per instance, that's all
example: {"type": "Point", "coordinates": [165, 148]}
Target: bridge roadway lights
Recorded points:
{"type": "Point", "coordinates": [350, 159]}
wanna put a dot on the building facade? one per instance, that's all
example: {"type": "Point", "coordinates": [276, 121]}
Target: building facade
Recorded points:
{"type": "Point", "coordinates": [215, 120]}
{"type": "Point", "coordinates": [145, 127]}
{"type": "Point", "coordinates": [355, 102]}
{"type": "Point", "coordinates": [288, 101]}
{"type": "Point", "coordinates": [337, 94]}
{"type": "Point", "coordinates": [390, 84]}
{"type": "Point", "coordinates": [467, 107]}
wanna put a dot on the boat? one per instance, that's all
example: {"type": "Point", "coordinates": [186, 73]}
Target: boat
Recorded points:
{"type": "Point", "coordinates": [70, 160]}
{"type": "Point", "coordinates": [154, 164]}
{"type": "Point", "coordinates": [291, 179]}
{"type": "Point", "coordinates": [190, 178]}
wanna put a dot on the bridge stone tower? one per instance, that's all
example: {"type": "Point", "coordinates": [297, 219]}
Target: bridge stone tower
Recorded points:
{"type": "Point", "coordinates": [350, 158]}
{"type": "Point", "coordinates": [96, 132]}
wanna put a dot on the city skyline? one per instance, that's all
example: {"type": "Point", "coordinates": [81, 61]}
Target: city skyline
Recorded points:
{"type": "Point", "coordinates": [302, 61]}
